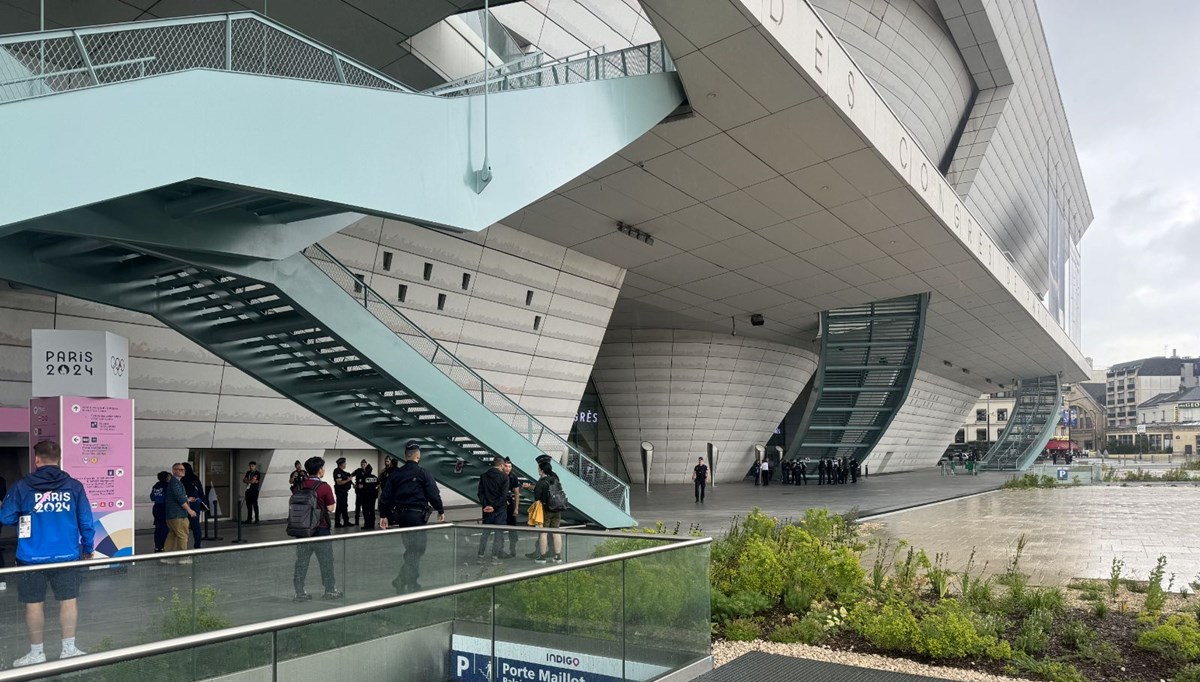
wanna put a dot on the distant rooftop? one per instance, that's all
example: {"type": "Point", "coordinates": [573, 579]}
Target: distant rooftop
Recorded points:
{"type": "Point", "coordinates": [1159, 366]}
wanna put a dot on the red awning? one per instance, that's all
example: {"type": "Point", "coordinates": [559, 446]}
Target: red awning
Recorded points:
{"type": "Point", "coordinates": [1062, 445]}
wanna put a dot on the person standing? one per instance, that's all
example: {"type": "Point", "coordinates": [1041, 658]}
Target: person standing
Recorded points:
{"type": "Point", "coordinates": [408, 491]}
{"type": "Point", "coordinates": [341, 488]}
{"type": "Point", "coordinates": [820, 472]}
{"type": "Point", "coordinates": [178, 511]}
{"type": "Point", "coordinates": [315, 468]}
{"type": "Point", "coordinates": [365, 496]}
{"type": "Point", "coordinates": [492, 495]}
{"type": "Point", "coordinates": [357, 475]}
{"type": "Point", "coordinates": [196, 500]}
{"type": "Point", "coordinates": [765, 469]}
{"type": "Point", "coordinates": [756, 470]}
{"type": "Point", "coordinates": [54, 525]}
{"type": "Point", "coordinates": [158, 496]}
{"type": "Point", "coordinates": [550, 519]}
{"type": "Point", "coordinates": [298, 474]}
{"type": "Point", "coordinates": [700, 478]}
{"type": "Point", "coordinates": [253, 481]}
{"type": "Point", "coordinates": [514, 508]}
{"type": "Point", "coordinates": [803, 472]}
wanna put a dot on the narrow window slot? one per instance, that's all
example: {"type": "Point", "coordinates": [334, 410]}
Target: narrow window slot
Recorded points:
{"type": "Point", "coordinates": [537, 322]}
{"type": "Point", "coordinates": [529, 297]}
{"type": "Point", "coordinates": [441, 301]}
{"type": "Point", "coordinates": [387, 260]}
{"type": "Point", "coordinates": [402, 292]}
{"type": "Point", "coordinates": [428, 271]}
{"type": "Point", "coordinates": [466, 281]}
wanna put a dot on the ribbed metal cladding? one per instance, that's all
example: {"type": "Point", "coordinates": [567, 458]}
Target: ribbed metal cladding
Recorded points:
{"type": "Point", "coordinates": [868, 359]}
{"type": "Point", "coordinates": [1029, 426]}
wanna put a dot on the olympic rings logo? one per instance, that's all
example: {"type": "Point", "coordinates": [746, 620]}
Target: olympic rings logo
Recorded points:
{"type": "Point", "coordinates": [117, 365]}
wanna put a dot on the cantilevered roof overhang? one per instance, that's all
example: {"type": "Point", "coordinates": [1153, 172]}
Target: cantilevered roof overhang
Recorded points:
{"type": "Point", "coordinates": [795, 189]}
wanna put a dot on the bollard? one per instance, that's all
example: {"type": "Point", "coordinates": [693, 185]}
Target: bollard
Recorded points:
{"type": "Point", "coordinates": [239, 539]}
{"type": "Point", "coordinates": [216, 531]}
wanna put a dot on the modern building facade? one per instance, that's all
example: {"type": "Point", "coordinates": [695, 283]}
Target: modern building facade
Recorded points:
{"type": "Point", "coordinates": [1131, 384]}
{"type": "Point", "coordinates": [678, 227]}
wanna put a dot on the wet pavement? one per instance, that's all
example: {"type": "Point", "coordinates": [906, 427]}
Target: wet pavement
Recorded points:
{"type": "Point", "coordinates": [1070, 532]}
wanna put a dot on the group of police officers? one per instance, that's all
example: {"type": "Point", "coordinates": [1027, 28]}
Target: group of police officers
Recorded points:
{"type": "Point", "coordinates": [834, 471]}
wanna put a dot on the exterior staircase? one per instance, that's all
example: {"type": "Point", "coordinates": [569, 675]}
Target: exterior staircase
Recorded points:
{"type": "Point", "coordinates": [1029, 428]}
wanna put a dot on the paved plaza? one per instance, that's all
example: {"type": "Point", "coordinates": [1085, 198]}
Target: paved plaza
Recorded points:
{"type": "Point", "coordinates": [1071, 532]}
{"type": "Point", "coordinates": [871, 495]}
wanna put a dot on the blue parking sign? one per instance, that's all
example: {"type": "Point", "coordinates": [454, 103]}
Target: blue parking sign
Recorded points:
{"type": "Point", "coordinates": [1062, 474]}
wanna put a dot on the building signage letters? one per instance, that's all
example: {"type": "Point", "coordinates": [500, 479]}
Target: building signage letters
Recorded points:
{"type": "Point", "coordinates": [1192, 403]}
{"type": "Point", "coordinates": [76, 362]}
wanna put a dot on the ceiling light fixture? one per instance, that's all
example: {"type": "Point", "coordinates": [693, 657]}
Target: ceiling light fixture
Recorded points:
{"type": "Point", "coordinates": [712, 95]}
{"type": "Point", "coordinates": [635, 233]}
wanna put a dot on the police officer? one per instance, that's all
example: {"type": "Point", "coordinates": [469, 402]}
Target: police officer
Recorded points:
{"type": "Point", "coordinates": [408, 490]}
{"type": "Point", "coordinates": [367, 493]}
{"type": "Point", "coordinates": [341, 489]}
{"type": "Point", "coordinates": [357, 475]}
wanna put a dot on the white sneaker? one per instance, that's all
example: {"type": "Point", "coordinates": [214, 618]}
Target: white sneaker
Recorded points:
{"type": "Point", "coordinates": [71, 652]}
{"type": "Point", "coordinates": [30, 659]}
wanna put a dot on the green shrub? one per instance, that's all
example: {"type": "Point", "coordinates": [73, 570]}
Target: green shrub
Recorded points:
{"type": "Point", "coordinates": [1102, 653]}
{"type": "Point", "coordinates": [1077, 635]}
{"type": "Point", "coordinates": [737, 605]}
{"type": "Point", "coordinates": [1114, 577]}
{"type": "Point", "coordinates": [950, 631]}
{"type": "Point", "coordinates": [742, 630]}
{"type": "Point", "coordinates": [1100, 609]}
{"type": "Point", "coordinates": [799, 599]}
{"type": "Point", "coordinates": [1054, 671]}
{"type": "Point", "coordinates": [892, 627]}
{"type": "Point", "coordinates": [1033, 636]}
{"type": "Point", "coordinates": [1190, 673]}
{"type": "Point", "coordinates": [1178, 638]}
{"type": "Point", "coordinates": [1156, 598]}
{"type": "Point", "coordinates": [807, 630]}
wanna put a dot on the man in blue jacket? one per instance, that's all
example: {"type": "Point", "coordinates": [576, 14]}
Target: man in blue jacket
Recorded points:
{"type": "Point", "coordinates": [54, 525]}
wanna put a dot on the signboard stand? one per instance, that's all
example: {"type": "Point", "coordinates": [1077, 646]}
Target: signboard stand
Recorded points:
{"type": "Point", "coordinates": [81, 401]}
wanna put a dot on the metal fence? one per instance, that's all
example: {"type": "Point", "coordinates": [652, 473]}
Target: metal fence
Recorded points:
{"type": "Point", "coordinates": [57, 61]}
{"type": "Point", "coordinates": [586, 66]}
{"type": "Point", "coordinates": [603, 481]}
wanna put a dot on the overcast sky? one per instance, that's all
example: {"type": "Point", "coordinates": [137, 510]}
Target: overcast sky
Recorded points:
{"type": "Point", "coordinates": [1129, 73]}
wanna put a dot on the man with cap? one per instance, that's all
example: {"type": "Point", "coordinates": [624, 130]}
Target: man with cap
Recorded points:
{"type": "Point", "coordinates": [357, 475]}
{"type": "Point", "coordinates": [341, 489]}
{"type": "Point", "coordinates": [407, 492]}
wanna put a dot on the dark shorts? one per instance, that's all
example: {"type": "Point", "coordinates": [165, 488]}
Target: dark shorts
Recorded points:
{"type": "Point", "coordinates": [551, 519]}
{"type": "Point", "coordinates": [31, 586]}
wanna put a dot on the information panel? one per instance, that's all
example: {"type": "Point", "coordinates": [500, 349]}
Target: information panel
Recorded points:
{"type": "Point", "coordinates": [96, 437]}
{"type": "Point", "coordinates": [472, 660]}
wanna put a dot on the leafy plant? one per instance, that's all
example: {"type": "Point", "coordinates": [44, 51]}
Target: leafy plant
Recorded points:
{"type": "Point", "coordinates": [1114, 577]}
{"type": "Point", "coordinates": [807, 630]}
{"type": "Point", "coordinates": [1156, 598]}
{"type": "Point", "coordinates": [1189, 673]}
{"type": "Point", "coordinates": [1077, 635]}
{"type": "Point", "coordinates": [1099, 609]}
{"type": "Point", "coordinates": [738, 605]}
{"type": "Point", "coordinates": [950, 631]}
{"type": "Point", "coordinates": [892, 626]}
{"type": "Point", "coordinates": [1054, 671]}
{"type": "Point", "coordinates": [1032, 637]}
{"type": "Point", "coordinates": [1178, 638]}
{"type": "Point", "coordinates": [742, 630]}
{"type": "Point", "coordinates": [191, 613]}
{"type": "Point", "coordinates": [938, 575]}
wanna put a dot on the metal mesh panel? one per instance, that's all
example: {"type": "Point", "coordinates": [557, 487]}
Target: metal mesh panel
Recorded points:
{"type": "Point", "coordinates": [633, 61]}
{"type": "Point", "coordinates": [53, 62]}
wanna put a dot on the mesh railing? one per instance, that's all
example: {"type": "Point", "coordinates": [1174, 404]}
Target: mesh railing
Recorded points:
{"type": "Point", "coordinates": [58, 61]}
{"type": "Point", "coordinates": [543, 437]}
{"type": "Point", "coordinates": [587, 66]}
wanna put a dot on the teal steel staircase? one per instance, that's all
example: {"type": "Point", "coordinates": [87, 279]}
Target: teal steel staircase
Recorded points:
{"type": "Point", "coordinates": [869, 355]}
{"type": "Point", "coordinates": [213, 233]}
{"type": "Point", "coordinates": [309, 328]}
{"type": "Point", "coordinates": [1029, 428]}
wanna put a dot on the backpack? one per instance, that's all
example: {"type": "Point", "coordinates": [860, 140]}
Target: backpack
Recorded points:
{"type": "Point", "coordinates": [304, 512]}
{"type": "Point", "coordinates": [556, 497]}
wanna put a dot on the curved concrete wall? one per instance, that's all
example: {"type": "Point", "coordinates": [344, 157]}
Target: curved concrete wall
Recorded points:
{"type": "Point", "coordinates": [907, 50]}
{"type": "Point", "coordinates": [682, 389]}
{"type": "Point", "coordinates": [924, 426]}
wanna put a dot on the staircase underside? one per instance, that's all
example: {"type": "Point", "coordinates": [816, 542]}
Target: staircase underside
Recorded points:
{"type": "Point", "coordinates": [1029, 427]}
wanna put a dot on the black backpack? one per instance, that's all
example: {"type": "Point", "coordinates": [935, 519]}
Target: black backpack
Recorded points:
{"type": "Point", "coordinates": [304, 511]}
{"type": "Point", "coordinates": [556, 497]}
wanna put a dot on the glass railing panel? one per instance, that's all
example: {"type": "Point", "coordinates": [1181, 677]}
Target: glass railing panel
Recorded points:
{"type": "Point", "coordinates": [401, 563]}
{"type": "Point", "coordinates": [666, 611]}
{"type": "Point", "coordinates": [248, 659]}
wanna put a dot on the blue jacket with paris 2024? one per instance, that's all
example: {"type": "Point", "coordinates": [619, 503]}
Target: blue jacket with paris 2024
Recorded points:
{"type": "Point", "coordinates": [60, 517]}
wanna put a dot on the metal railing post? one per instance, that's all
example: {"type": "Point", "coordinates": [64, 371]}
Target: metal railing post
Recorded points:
{"type": "Point", "coordinates": [337, 66]}
{"type": "Point", "coordinates": [624, 64]}
{"type": "Point", "coordinates": [87, 59]}
{"type": "Point", "coordinates": [228, 43]}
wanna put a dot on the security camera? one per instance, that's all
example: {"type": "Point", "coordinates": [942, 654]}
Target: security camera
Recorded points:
{"type": "Point", "coordinates": [756, 319]}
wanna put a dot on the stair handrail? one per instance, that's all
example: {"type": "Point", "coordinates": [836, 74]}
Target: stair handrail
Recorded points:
{"type": "Point", "coordinates": [600, 66]}
{"type": "Point", "coordinates": [76, 63]}
{"type": "Point", "coordinates": [591, 472]}
{"type": "Point", "coordinates": [493, 72]}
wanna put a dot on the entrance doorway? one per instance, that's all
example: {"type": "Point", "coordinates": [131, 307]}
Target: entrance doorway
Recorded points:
{"type": "Point", "coordinates": [215, 468]}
